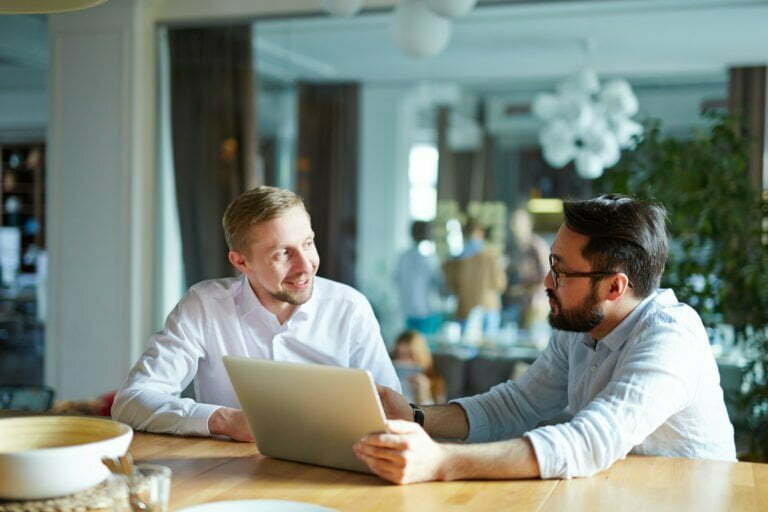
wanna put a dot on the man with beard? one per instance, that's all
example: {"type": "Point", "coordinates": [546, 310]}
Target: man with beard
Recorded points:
{"type": "Point", "coordinates": [277, 309]}
{"type": "Point", "coordinates": [628, 362]}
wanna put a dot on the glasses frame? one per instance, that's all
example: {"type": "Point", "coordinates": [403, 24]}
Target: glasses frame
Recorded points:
{"type": "Point", "coordinates": [595, 273]}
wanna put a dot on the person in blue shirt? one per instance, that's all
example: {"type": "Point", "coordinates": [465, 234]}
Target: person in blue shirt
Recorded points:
{"type": "Point", "coordinates": [630, 364]}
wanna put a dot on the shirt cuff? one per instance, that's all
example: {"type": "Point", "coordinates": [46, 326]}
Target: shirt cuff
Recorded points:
{"type": "Point", "coordinates": [551, 465]}
{"type": "Point", "coordinates": [197, 421]}
{"type": "Point", "coordinates": [479, 426]}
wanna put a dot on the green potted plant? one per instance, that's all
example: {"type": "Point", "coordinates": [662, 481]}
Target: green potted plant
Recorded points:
{"type": "Point", "coordinates": [719, 253]}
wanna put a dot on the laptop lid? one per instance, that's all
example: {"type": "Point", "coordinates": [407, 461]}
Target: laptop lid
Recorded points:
{"type": "Point", "coordinates": [306, 412]}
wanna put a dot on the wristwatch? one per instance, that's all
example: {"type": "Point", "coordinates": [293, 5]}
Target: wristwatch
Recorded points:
{"type": "Point", "coordinates": [418, 414]}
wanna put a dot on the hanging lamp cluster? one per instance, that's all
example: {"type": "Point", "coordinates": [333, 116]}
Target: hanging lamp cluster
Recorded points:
{"type": "Point", "coordinates": [587, 123]}
{"type": "Point", "coordinates": [420, 28]}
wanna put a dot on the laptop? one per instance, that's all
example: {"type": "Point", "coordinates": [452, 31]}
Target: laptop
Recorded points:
{"type": "Point", "coordinates": [306, 412]}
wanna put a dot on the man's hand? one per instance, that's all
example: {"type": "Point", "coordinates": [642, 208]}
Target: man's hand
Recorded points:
{"type": "Point", "coordinates": [395, 405]}
{"type": "Point", "coordinates": [405, 454]}
{"type": "Point", "coordinates": [230, 422]}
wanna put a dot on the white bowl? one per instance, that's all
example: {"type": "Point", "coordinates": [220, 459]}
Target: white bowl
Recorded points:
{"type": "Point", "coordinates": [47, 456]}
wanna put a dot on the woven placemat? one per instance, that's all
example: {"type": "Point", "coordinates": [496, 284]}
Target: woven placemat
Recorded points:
{"type": "Point", "coordinates": [94, 498]}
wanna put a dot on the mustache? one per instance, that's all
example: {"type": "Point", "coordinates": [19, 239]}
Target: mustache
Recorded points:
{"type": "Point", "coordinates": [553, 297]}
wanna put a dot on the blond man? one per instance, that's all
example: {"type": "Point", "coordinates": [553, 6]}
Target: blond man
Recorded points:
{"type": "Point", "coordinates": [276, 309]}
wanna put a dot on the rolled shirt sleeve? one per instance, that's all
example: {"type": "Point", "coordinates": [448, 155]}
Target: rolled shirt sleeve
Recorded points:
{"type": "Point", "coordinates": [656, 379]}
{"type": "Point", "coordinates": [149, 399]}
{"type": "Point", "coordinates": [511, 408]}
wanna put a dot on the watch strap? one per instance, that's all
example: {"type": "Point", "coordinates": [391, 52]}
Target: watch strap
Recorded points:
{"type": "Point", "coordinates": [418, 414]}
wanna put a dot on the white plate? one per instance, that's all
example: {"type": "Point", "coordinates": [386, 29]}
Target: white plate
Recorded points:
{"type": "Point", "coordinates": [256, 506]}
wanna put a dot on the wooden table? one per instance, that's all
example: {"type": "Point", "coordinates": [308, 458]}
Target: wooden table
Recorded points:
{"type": "Point", "coordinates": [211, 470]}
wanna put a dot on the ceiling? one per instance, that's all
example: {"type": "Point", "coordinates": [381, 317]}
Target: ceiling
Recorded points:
{"type": "Point", "coordinates": [23, 52]}
{"type": "Point", "coordinates": [526, 43]}
{"type": "Point", "coordinates": [523, 43]}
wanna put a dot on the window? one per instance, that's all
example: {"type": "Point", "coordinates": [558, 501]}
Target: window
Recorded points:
{"type": "Point", "coordinates": [422, 175]}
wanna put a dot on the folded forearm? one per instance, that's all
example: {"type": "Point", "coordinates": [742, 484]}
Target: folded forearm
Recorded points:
{"type": "Point", "coordinates": [162, 413]}
{"type": "Point", "coordinates": [500, 460]}
{"type": "Point", "coordinates": [446, 422]}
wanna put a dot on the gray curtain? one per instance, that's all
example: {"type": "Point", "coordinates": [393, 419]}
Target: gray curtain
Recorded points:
{"type": "Point", "coordinates": [327, 173]}
{"type": "Point", "coordinates": [464, 176]}
{"type": "Point", "coordinates": [214, 137]}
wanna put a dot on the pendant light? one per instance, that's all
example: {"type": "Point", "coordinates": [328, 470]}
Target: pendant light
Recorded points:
{"type": "Point", "coordinates": [45, 6]}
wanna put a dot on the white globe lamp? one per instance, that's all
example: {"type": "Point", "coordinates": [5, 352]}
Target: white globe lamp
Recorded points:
{"type": "Point", "coordinates": [418, 31]}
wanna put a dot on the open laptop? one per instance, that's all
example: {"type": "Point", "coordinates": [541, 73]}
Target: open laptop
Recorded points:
{"type": "Point", "coordinates": [305, 412]}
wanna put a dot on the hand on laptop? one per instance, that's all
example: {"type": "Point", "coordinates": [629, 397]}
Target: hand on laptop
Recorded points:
{"type": "Point", "coordinates": [395, 405]}
{"type": "Point", "coordinates": [230, 422]}
{"type": "Point", "coordinates": [405, 454]}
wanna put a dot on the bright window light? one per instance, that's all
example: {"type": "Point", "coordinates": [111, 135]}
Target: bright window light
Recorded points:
{"type": "Point", "coordinates": [422, 174]}
{"type": "Point", "coordinates": [423, 202]}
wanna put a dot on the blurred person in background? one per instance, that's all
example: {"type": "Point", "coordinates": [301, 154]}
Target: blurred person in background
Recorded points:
{"type": "Point", "coordinates": [419, 279]}
{"type": "Point", "coordinates": [413, 363]}
{"type": "Point", "coordinates": [525, 299]}
{"type": "Point", "coordinates": [477, 278]}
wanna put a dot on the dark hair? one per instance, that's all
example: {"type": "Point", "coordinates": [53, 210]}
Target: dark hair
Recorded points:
{"type": "Point", "coordinates": [625, 234]}
{"type": "Point", "coordinates": [472, 225]}
{"type": "Point", "coordinates": [421, 230]}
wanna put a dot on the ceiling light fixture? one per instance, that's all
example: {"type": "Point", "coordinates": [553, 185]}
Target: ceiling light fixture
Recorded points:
{"type": "Point", "coordinates": [418, 31]}
{"type": "Point", "coordinates": [45, 6]}
{"type": "Point", "coordinates": [420, 28]}
{"type": "Point", "coordinates": [587, 123]}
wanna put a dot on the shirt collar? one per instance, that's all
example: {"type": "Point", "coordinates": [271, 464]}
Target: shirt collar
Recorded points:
{"type": "Point", "coordinates": [249, 304]}
{"type": "Point", "coordinates": [247, 300]}
{"type": "Point", "coordinates": [621, 333]}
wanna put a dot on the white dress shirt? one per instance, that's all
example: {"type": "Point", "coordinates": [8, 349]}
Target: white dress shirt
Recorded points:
{"type": "Point", "coordinates": [651, 387]}
{"type": "Point", "coordinates": [220, 317]}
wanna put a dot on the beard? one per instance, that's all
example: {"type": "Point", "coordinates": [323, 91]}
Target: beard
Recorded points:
{"type": "Point", "coordinates": [296, 298]}
{"type": "Point", "coordinates": [582, 318]}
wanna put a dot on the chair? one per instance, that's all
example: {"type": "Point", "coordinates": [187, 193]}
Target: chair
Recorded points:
{"type": "Point", "coordinates": [26, 398]}
{"type": "Point", "coordinates": [452, 369]}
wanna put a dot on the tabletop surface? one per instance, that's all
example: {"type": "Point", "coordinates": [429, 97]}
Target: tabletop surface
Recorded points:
{"type": "Point", "coordinates": [207, 470]}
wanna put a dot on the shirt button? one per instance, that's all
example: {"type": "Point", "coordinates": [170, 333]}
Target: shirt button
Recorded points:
{"type": "Point", "coordinates": [594, 367]}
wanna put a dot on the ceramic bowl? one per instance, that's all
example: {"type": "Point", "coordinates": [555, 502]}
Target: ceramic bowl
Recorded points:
{"type": "Point", "coordinates": [46, 456]}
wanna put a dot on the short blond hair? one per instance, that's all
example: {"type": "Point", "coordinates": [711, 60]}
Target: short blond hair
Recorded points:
{"type": "Point", "coordinates": [253, 207]}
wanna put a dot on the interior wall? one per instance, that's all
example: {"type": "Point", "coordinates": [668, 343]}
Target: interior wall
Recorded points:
{"type": "Point", "coordinates": [23, 85]}
{"type": "Point", "coordinates": [100, 195]}
{"type": "Point", "coordinates": [383, 216]}
{"type": "Point", "coordinates": [23, 115]}
{"type": "Point", "coordinates": [168, 264]}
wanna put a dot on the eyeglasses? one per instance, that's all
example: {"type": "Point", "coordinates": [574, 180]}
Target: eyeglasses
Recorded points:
{"type": "Point", "coordinates": [557, 274]}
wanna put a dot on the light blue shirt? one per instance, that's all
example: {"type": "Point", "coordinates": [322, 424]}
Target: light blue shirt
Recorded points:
{"type": "Point", "coordinates": [651, 387]}
{"type": "Point", "coordinates": [419, 278]}
{"type": "Point", "coordinates": [471, 247]}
